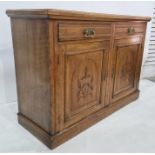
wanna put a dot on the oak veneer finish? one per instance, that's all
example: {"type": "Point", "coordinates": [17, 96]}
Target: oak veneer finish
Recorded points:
{"type": "Point", "coordinates": [74, 68]}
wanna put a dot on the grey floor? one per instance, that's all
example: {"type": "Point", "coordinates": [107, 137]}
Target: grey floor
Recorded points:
{"type": "Point", "coordinates": [151, 79]}
{"type": "Point", "coordinates": [131, 129]}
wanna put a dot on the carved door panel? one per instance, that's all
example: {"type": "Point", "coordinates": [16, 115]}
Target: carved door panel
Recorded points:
{"type": "Point", "coordinates": [125, 67]}
{"type": "Point", "coordinates": [84, 79]}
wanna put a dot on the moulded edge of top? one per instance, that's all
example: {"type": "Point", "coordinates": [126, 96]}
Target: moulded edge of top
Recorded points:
{"type": "Point", "coordinates": [76, 15]}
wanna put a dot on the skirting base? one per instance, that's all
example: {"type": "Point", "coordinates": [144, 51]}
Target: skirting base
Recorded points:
{"type": "Point", "coordinates": [53, 141]}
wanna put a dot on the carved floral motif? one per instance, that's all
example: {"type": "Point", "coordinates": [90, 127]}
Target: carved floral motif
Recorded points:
{"type": "Point", "coordinates": [85, 85]}
{"type": "Point", "coordinates": [127, 71]}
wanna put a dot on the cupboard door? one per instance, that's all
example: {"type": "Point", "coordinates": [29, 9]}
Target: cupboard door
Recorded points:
{"type": "Point", "coordinates": [84, 68]}
{"type": "Point", "coordinates": [125, 66]}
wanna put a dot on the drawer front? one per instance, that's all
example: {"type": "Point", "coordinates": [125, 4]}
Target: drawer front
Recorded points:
{"type": "Point", "coordinates": [129, 28]}
{"type": "Point", "coordinates": [78, 31]}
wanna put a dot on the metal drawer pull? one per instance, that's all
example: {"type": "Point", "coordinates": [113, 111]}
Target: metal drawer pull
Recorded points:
{"type": "Point", "coordinates": [89, 33]}
{"type": "Point", "coordinates": [131, 30]}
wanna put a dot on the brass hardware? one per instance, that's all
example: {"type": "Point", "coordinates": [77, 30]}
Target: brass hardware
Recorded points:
{"type": "Point", "coordinates": [89, 33]}
{"type": "Point", "coordinates": [131, 30]}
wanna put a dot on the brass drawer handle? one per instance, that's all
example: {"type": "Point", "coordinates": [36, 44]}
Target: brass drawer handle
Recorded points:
{"type": "Point", "coordinates": [131, 30]}
{"type": "Point", "coordinates": [89, 33]}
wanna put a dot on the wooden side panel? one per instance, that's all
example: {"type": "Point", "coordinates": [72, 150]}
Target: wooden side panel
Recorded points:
{"type": "Point", "coordinates": [30, 40]}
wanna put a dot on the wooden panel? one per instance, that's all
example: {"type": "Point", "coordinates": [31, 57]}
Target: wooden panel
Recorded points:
{"type": "Point", "coordinates": [75, 31]}
{"type": "Point", "coordinates": [83, 71]}
{"type": "Point", "coordinates": [83, 78]}
{"type": "Point", "coordinates": [125, 67]}
{"type": "Point", "coordinates": [30, 38]}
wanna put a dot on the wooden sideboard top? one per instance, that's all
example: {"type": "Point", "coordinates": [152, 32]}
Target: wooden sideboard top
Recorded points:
{"type": "Point", "coordinates": [66, 14]}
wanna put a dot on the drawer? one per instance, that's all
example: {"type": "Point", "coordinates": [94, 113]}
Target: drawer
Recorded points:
{"type": "Point", "coordinates": [78, 31]}
{"type": "Point", "coordinates": [129, 28]}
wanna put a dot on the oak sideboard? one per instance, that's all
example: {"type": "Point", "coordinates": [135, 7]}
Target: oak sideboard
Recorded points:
{"type": "Point", "coordinates": [74, 68]}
